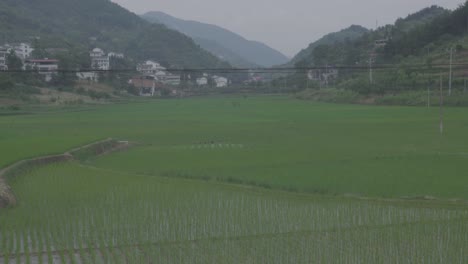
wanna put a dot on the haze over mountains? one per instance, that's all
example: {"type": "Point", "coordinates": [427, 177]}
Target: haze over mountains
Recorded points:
{"type": "Point", "coordinates": [223, 43]}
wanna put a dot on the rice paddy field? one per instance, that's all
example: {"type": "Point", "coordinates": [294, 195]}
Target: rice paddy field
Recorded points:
{"type": "Point", "coordinates": [239, 180]}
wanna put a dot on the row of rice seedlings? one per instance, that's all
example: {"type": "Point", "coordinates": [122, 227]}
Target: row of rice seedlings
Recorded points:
{"type": "Point", "coordinates": [353, 238]}
{"type": "Point", "coordinates": [141, 213]}
{"type": "Point", "coordinates": [348, 246]}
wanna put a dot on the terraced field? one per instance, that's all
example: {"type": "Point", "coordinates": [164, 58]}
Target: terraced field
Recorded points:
{"type": "Point", "coordinates": [239, 180]}
{"type": "Point", "coordinates": [78, 214]}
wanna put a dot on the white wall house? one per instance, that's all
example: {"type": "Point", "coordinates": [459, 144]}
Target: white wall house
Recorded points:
{"type": "Point", "coordinates": [3, 59]}
{"type": "Point", "coordinates": [172, 79]}
{"type": "Point", "coordinates": [88, 76]}
{"type": "Point", "coordinates": [46, 67]}
{"type": "Point", "coordinates": [150, 68]}
{"type": "Point", "coordinates": [116, 55]}
{"type": "Point", "coordinates": [381, 42]}
{"type": "Point", "coordinates": [23, 51]}
{"type": "Point", "coordinates": [323, 75]}
{"type": "Point", "coordinates": [220, 81]}
{"type": "Point", "coordinates": [202, 81]}
{"type": "Point", "coordinates": [99, 60]}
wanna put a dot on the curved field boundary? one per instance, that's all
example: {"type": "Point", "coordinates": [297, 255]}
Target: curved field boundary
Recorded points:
{"type": "Point", "coordinates": [77, 251]}
{"type": "Point", "coordinates": [7, 197]}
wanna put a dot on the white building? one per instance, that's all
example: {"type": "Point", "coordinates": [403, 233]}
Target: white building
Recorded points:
{"type": "Point", "coordinates": [116, 55]}
{"type": "Point", "coordinates": [202, 81]}
{"type": "Point", "coordinates": [3, 59]}
{"type": "Point", "coordinates": [99, 60]}
{"type": "Point", "coordinates": [46, 67]}
{"type": "Point", "coordinates": [381, 42]}
{"type": "Point", "coordinates": [220, 81]}
{"type": "Point", "coordinates": [323, 75]}
{"type": "Point", "coordinates": [21, 50]}
{"type": "Point", "coordinates": [171, 79]}
{"type": "Point", "coordinates": [88, 76]}
{"type": "Point", "coordinates": [150, 68]}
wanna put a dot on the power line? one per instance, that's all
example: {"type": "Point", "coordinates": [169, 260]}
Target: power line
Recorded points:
{"type": "Point", "coordinates": [424, 67]}
{"type": "Point", "coordinates": [261, 70]}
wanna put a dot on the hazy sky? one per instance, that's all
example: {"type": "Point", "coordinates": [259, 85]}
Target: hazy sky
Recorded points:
{"type": "Point", "coordinates": [286, 25]}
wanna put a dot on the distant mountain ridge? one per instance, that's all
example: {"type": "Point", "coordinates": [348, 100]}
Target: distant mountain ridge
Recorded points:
{"type": "Point", "coordinates": [223, 43]}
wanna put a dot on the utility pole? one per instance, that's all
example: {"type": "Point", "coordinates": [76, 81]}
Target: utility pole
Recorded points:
{"type": "Point", "coordinates": [464, 88]}
{"type": "Point", "coordinates": [428, 94]}
{"type": "Point", "coordinates": [371, 78]}
{"type": "Point", "coordinates": [285, 83]}
{"type": "Point", "coordinates": [441, 110]}
{"type": "Point", "coordinates": [450, 74]}
{"type": "Point", "coordinates": [326, 76]}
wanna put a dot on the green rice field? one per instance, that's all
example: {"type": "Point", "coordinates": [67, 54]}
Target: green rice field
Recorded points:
{"type": "Point", "coordinates": [265, 179]}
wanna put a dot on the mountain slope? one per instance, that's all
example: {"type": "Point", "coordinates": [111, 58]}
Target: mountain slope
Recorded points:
{"type": "Point", "coordinates": [84, 24]}
{"type": "Point", "coordinates": [400, 41]}
{"type": "Point", "coordinates": [351, 33]}
{"type": "Point", "coordinates": [222, 42]}
{"type": "Point", "coordinates": [418, 47]}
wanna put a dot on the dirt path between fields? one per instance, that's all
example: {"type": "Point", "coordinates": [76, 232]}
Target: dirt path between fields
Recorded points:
{"type": "Point", "coordinates": [7, 197]}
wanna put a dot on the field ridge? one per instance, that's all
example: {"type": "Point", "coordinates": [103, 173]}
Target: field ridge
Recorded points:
{"type": "Point", "coordinates": [430, 200]}
{"type": "Point", "coordinates": [7, 196]}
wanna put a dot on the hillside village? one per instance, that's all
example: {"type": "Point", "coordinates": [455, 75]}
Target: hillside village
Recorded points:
{"type": "Point", "coordinates": [150, 77]}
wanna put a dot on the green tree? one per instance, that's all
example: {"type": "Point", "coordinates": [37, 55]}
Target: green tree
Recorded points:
{"type": "Point", "coordinates": [39, 52]}
{"type": "Point", "coordinates": [14, 63]}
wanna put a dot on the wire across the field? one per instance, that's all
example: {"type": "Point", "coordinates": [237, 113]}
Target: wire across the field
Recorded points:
{"type": "Point", "coordinates": [282, 70]}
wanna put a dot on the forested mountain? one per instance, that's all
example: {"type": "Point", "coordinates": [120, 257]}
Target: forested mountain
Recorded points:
{"type": "Point", "coordinates": [221, 42]}
{"type": "Point", "coordinates": [79, 25]}
{"type": "Point", "coordinates": [441, 28]}
{"type": "Point", "coordinates": [420, 18]}
{"type": "Point", "coordinates": [351, 33]}
{"type": "Point", "coordinates": [417, 47]}
{"type": "Point", "coordinates": [401, 39]}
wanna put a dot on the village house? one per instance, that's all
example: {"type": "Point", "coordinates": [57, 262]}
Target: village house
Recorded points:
{"type": "Point", "coordinates": [150, 68]}
{"type": "Point", "coordinates": [202, 81]}
{"type": "Point", "coordinates": [116, 55]}
{"type": "Point", "coordinates": [381, 43]}
{"type": "Point", "coordinates": [46, 67]}
{"type": "Point", "coordinates": [220, 82]}
{"type": "Point", "coordinates": [146, 84]}
{"type": "Point", "coordinates": [3, 59]}
{"type": "Point", "coordinates": [323, 76]}
{"type": "Point", "coordinates": [87, 76]}
{"type": "Point", "coordinates": [171, 79]}
{"type": "Point", "coordinates": [99, 60]}
{"type": "Point", "coordinates": [21, 50]}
